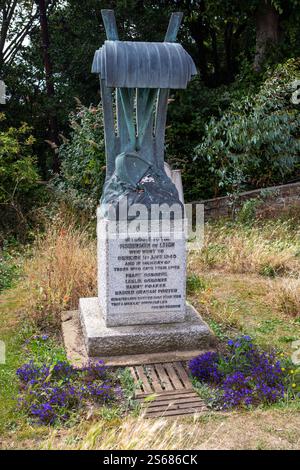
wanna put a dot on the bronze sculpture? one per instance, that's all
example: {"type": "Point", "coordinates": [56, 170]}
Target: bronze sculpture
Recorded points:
{"type": "Point", "coordinates": [142, 74]}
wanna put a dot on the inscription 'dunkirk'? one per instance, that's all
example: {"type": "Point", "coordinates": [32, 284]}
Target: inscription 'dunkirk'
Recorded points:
{"type": "Point", "coordinates": [146, 273]}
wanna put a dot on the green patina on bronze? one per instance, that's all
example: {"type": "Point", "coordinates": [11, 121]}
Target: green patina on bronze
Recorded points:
{"type": "Point", "coordinates": [135, 152]}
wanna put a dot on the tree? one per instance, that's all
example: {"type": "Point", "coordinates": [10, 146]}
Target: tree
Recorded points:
{"type": "Point", "coordinates": [53, 125]}
{"type": "Point", "coordinates": [214, 35]}
{"type": "Point", "coordinates": [16, 20]}
{"type": "Point", "coordinates": [220, 35]}
{"type": "Point", "coordinates": [267, 30]}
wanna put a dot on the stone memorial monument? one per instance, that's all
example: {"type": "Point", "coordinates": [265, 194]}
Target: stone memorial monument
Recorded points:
{"type": "Point", "coordinates": [141, 304]}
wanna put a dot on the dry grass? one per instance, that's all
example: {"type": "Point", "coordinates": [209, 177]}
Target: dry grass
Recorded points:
{"type": "Point", "coordinates": [269, 249]}
{"type": "Point", "coordinates": [249, 303]}
{"type": "Point", "coordinates": [62, 269]}
{"type": "Point", "coordinates": [266, 429]}
{"type": "Point", "coordinates": [211, 431]}
{"type": "Point", "coordinates": [287, 296]}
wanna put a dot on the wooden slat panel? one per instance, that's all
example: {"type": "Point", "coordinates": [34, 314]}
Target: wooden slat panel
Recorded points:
{"type": "Point", "coordinates": [175, 401]}
{"type": "Point", "coordinates": [182, 406]}
{"type": "Point", "coordinates": [173, 376]}
{"type": "Point", "coordinates": [163, 377]}
{"type": "Point", "coordinates": [141, 374]}
{"type": "Point", "coordinates": [155, 382]}
{"type": "Point", "coordinates": [170, 393]}
{"type": "Point", "coordinates": [182, 374]}
{"type": "Point", "coordinates": [136, 380]}
{"type": "Point", "coordinates": [175, 396]}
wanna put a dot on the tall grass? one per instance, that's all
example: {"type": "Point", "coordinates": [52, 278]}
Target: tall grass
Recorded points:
{"type": "Point", "coordinates": [269, 248]}
{"type": "Point", "coordinates": [62, 269]}
{"type": "Point", "coordinates": [287, 296]}
{"type": "Point", "coordinates": [204, 431]}
{"type": "Point", "coordinates": [138, 433]}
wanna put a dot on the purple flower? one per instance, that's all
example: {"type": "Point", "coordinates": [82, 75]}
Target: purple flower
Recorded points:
{"type": "Point", "coordinates": [243, 376]}
{"type": "Point", "coordinates": [205, 367]}
{"type": "Point", "coordinates": [63, 369]}
{"type": "Point", "coordinates": [44, 412]}
{"type": "Point", "coordinates": [30, 371]}
{"type": "Point", "coordinates": [52, 393]}
{"type": "Point", "coordinates": [246, 338]}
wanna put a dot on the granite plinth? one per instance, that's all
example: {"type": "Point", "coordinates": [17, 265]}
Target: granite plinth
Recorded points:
{"type": "Point", "coordinates": [102, 340]}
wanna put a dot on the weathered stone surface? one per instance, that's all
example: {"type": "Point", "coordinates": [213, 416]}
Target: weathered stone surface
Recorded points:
{"type": "Point", "coordinates": [101, 340]}
{"type": "Point", "coordinates": [78, 356]}
{"type": "Point", "coordinates": [66, 316]}
{"type": "Point", "coordinates": [141, 279]}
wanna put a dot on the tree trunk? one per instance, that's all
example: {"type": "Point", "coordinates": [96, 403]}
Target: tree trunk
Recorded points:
{"type": "Point", "coordinates": [53, 125]}
{"type": "Point", "coordinates": [216, 60]}
{"type": "Point", "coordinates": [267, 31]}
{"type": "Point", "coordinates": [198, 36]}
{"type": "Point", "coordinates": [198, 33]}
{"type": "Point", "coordinates": [228, 37]}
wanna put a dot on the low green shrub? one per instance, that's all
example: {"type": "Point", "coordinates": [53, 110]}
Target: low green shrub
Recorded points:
{"type": "Point", "coordinates": [82, 160]}
{"type": "Point", "coordinates": [256, 142]}
{"type": "Point", "coordinates": [246, 376]}
{"type": "Point", "coordinates": [19, 188]}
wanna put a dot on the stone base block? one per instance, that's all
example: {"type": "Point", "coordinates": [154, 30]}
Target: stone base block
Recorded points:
{"type": "Point", "coordinates": [101, 340]}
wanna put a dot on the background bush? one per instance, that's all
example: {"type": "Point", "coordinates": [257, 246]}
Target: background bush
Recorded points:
{"type": "Point", "coordinates": [19, 189]}
{"type": "Point", "coordinates": [256, 142]}
{"type": "Point", "coordinates": [249, 131]}
{"type": "Point", "coordinates": [82, 160]}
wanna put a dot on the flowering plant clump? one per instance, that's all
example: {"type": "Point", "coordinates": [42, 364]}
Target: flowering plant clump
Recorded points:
{"type": "Point", "coordinates": [51, 393]}
{"type": "Point", "coordinates": [205, 368]}
{"type": "Point", "coordinates": [244, 376]}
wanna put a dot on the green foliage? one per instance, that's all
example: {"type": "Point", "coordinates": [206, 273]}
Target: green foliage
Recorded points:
{"type": "Point", "coordinates": [82, 160]}
{"type": "Point", "coordinates": [129, 388]}
{"type": "Point", "coordinates": [267, 270]}
{"type": "Point", "coordinates": [18, 171]}
{"type": "Point", "coordinates": [209, 394]}
{"type": "Point", "coordinates": [187, 116]}
{"type": "Point", "coordinates": [42, 348]}
{"type": "Point", "coordinates": [19, 188]}
{"type": "Point", "coordinates": [292, 377]}
{"type": "Point", "coordinates": [218, 105]}
{"type": "Point", "coordinates": [247, 213]}
{"type": "Point", "coordinates": [54, 393]}
{"type": "Point", "coordinates": [256, 142]}
{"type": "Point", "coordinates": [218, 329]}
{"type": "Point", "coordinates": [14, 339]}
{"type": "Point", "coordinates": [9, 270]}
{"type": "Point", "coordinates": [220, 35]}
{"type": "Point", "coordinates": [195, 283]}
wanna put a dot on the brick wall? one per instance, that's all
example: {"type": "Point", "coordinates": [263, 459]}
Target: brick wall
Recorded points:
{"type": "Point", "coordinates": [273, 200]}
